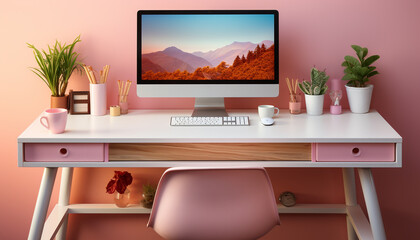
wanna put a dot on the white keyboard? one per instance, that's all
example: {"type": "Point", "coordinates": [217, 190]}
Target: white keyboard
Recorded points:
{"type": "Point", "coordinates": [210, 121]}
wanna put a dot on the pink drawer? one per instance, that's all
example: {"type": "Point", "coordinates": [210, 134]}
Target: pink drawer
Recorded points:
{"type": "Point", "coordinates": [353, 152]}
{"type": "Point", "coordinates": [66, 152]}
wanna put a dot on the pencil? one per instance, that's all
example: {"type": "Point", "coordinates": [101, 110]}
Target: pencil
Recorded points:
{"type": "Point", "coordinates": [288, 85]}
{"type": "Point", "coordinates": [87, 74]}
{"type": "Point", "coordinates": [92, 75]}
{"type": "Point", "coordinates": [106, 73]}
{"type": "Point", "coordinates": [128, 83]}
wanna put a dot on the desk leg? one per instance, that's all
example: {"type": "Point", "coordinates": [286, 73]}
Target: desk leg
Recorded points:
{"type": "Point", "coordinates": [42, 203]}
{"type": "Point", "coordinates": [372, 204]}
{"type": "Point", "coordinates": [351, 199]}
{"type": "Point", "coordinates": [64, 198]}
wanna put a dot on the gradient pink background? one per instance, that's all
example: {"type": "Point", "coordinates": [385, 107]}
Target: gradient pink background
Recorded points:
{"type": "Point", "coordinates": [311, 33]}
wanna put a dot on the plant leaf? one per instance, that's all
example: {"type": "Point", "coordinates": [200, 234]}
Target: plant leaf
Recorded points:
{"type": "Point", "coordinates": [357, 70]}
{"type": "Point", "coordinates": [350, 83]}
{"type": "Point", "coordinates": [364, 71]}
{"type": "Point", "coordinates": [324, 90]}
{"type": "Point", "coordinates": [370, 60]}
{"type": "Point", "coordinates": [350, 76]}
{"type": "Point", "coordinates": [357, 48]}
{"type": "Point", "coordinates": [302, 88]}
{"type": "Point", "coordinates": [348, 70]}
{"type": "Point", "coordinates": [352, 61]}
{"type": "Point", "coordinates": [371, 69]}
{"type": "Point", "coordinates": [372, 74]}
{"type": "Point", "coordinates": [365, 52]}
{"type": "Point", "coordinates": [345, 64]}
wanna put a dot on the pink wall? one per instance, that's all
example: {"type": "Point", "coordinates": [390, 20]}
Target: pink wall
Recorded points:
{"type": "Point", "coordinates": [311, 33]}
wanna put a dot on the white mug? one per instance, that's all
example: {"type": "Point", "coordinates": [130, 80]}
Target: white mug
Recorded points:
{"type": "Point", "coordinates": [267, 111]}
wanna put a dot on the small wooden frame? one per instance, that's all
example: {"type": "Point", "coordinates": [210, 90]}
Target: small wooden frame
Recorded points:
{"type": "Point", "coordinates": [79, 102]}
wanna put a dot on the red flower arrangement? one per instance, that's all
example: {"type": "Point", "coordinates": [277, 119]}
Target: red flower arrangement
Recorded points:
{"type": "Point", "coordinates": [119, 182]}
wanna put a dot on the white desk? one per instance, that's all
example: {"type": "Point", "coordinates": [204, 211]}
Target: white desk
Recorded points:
{"type": "Point", "coordinates": [291, 142]}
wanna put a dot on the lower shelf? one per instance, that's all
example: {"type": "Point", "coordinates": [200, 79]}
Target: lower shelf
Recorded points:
{"type": "Point", "coordinates": [355, 214]}
{"type": "Point", "coordinates": [138, 209]}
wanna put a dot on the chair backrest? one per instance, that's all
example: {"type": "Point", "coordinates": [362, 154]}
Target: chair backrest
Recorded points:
{"type": "Point", "coordinates": [214, 203]}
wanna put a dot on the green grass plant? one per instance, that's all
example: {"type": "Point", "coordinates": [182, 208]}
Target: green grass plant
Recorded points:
{"type": "Point", "coordinates": [56, 65]}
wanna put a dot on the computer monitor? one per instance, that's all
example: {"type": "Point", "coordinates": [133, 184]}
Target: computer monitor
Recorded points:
{"type": "Point", "coordinates": [208, 55]}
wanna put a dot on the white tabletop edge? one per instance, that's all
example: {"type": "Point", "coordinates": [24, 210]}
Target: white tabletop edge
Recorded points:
{"type": "Point", "coordinates": [167, 164]}
{"type": "Point", "coordinates": [208, 140]}
{"type": "Point", "coordinates": [152, 126]}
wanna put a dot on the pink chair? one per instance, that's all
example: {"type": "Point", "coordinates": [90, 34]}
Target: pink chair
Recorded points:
{"type": "Point", "coordinates": [214, 203]}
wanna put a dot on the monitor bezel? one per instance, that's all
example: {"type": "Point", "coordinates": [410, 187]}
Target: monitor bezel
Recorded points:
{"type": "Point", "coordinates": [213, 12]}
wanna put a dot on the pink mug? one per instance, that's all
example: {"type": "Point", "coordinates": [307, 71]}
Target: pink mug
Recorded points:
{"type": "Point", "coordinates": [55, 120]}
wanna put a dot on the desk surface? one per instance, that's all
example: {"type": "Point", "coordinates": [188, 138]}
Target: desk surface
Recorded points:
{"type": "Point", "coordinates": [152, 126]}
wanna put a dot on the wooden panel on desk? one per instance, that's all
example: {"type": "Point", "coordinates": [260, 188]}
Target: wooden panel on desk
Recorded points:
{"type": "Point", "coordinates": [210, 151]}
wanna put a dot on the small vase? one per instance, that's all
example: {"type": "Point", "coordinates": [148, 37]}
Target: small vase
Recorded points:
{"type": "Point", "coordinates": [294, 103]}
{"type": "Point", "coordinates": [59, 102]}
{"type": "Point", "coordinates": [122, 101]}
{"type": "Point", "coordinates": [122, 200]}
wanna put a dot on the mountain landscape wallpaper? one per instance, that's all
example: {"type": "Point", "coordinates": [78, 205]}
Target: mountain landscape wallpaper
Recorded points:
{"type": "Point", "coordinates": [207, 47]}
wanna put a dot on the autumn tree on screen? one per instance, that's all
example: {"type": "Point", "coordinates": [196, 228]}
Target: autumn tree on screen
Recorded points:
{"type": "Point", "coordinates": [263, 49]}
{"type": "Point", "coordinates": [257, 65]}
{"type": "Point", "coordinates": [237, 61]}
{"type": "Point", "coordinates": [243, 59]}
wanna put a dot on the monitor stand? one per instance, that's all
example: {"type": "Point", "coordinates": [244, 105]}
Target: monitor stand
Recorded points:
{"type": "Point", "coordinates": [209, 107]}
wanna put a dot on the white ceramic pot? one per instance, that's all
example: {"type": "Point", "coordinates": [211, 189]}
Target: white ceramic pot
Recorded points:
{"type": "Point", "coordinates": [359, 98]}
{"type": "Point", "coordinates": [314, 104]}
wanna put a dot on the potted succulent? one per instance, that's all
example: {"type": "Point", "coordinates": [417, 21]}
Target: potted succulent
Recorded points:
{"type": "Point", "coordinates": [149, 192]}
{"type": "Point", "coordinates": [314, 91]}
{"type": "Point", "coordinates": [358, 72]}
{"type": "Point", "coordinates": [55, 68]}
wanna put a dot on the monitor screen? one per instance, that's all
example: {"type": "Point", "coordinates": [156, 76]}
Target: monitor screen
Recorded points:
{"type": "Point", "coordinates": [207, 47]}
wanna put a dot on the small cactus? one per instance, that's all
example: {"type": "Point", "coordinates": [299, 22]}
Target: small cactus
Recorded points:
{"type": "Point", "coordinates": [317, 85]}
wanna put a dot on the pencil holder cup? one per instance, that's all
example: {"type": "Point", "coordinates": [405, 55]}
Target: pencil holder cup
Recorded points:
{"type": "Point", "coordinates": [98, 99]}
{"type": "Point", "coordinates": [123, 102]}
{"type": "Point", "coordinates": [294, 103]}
